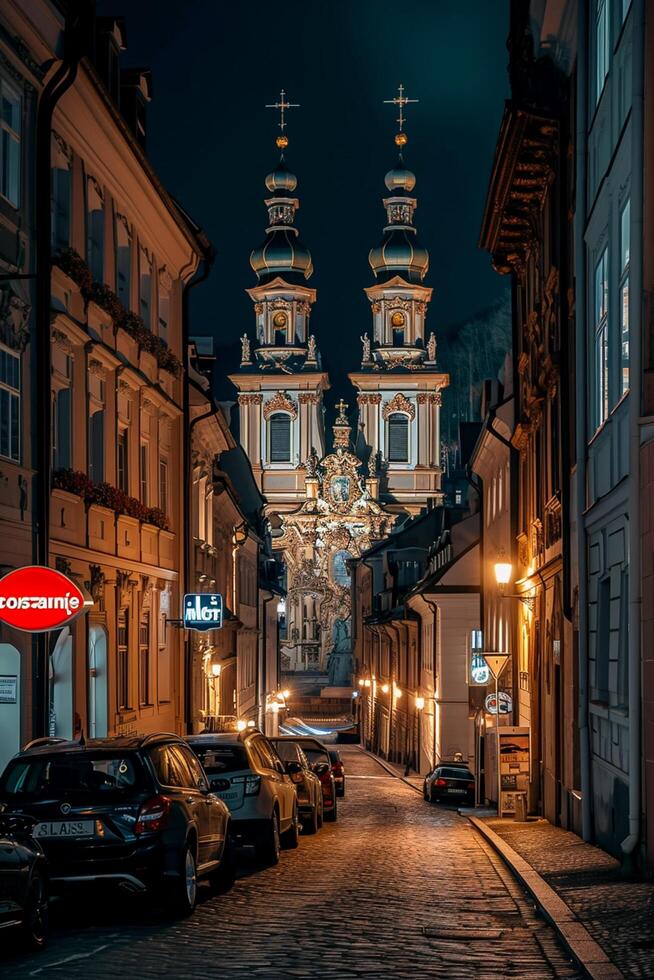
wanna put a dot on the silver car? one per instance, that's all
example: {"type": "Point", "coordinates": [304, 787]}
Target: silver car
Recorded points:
{"type": "Point", "coordinates": [307, 784]}
{"type": "Point", "coordinates": [245, 771]}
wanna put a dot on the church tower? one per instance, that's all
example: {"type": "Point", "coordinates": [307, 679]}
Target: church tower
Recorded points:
{"type": "Point", "coordinates": [281, 381]}
{"type": "Point", "coordinates": [399, 383]}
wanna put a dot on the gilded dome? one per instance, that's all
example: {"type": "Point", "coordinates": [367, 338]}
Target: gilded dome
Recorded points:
{"type": "Point", "coordinates": [399, 252]}
{"type": "Point", "coordinates": [400, 179]}
{"type": "Point", "coordinates": [282, 254]}
{"type": "Point", "coordinates": [281, 180]}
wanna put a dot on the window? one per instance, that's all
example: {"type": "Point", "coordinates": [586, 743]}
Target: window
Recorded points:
{"type": "Point", "coordinates": [602, 46]}
{"type": "Point", "coordinates": [9, 404]}
{"type": "Point", "coordinates": [96, 446]}
{"type": "Point", "coordinates": [10, 136]}
{"type": "Point", "coordinates": [600, 387]}
{"type": "Point", "coordinates": [280, 438]}
{"type": "Point", "coordinates": [626, 4]}
{"type": "Point", "coordinates": [145, 287]}
{"type": "Point", "coordinates": [60, 200]}
{"type": "Point", "coordinates": [398, 336]}
{"type": "Point", "coordinates": [163, 485]}
{"type": "Point", "coordinates": [62, 427]}
{"type": "Point", "coordinates": [398, 438]}
{"type": "Point", "coordinates": [123, 659]}
{"type": "Point", "coordinates": [123, 261]}
{"type": "Point", "coordinates": [94, 229]}
{"type": "Point", "coordinates": [144, 658]}
{"type": "Point", "coordinates": [625, 234]}
{"type": "Point", "coordinates": [164, 312]}
{"type": "Point", "coordinates": [144, 473]}
{"type": "Point", "coordinates": [123, 460]}
{"type": "Point", "coordinates": [190, 762]}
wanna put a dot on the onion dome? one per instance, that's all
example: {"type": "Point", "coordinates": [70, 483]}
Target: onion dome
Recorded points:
{"type": "Point", "coordinates": [399, 251]}
{"type": "Point", "coordinates": [282, 253]}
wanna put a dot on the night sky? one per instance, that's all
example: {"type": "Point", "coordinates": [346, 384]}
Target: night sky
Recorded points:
{"type": "Point", "coordinates": [215, 65]}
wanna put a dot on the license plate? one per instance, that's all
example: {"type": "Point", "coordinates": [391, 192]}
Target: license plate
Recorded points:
{"type": "Point", "coordinates": [456, 791]}
{"type": "Point", "coordinates": [230, 795]}
{"type": "Point", "coordinates": [65, 828]}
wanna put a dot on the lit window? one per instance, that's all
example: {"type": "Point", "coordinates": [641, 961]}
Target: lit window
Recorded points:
{"type": "Point", "coordinates": [600, 388]}
{"type": "Point", "coordinates": [123, 261]}
{"type": "Point", "coordinates": [94, 229]}
{"type": "Point", "coordinates": [398, 438]}
{"type": "Point", "coordinates": [625, 233]}
{"type": "Point", "coordinates": [602, 49]}
{"type": "Point", "coordinates": [10, 137]}
{"type": "Point", "coordinates": [280, 438]}
{"type": "Point", "coordinates": [9, 404]}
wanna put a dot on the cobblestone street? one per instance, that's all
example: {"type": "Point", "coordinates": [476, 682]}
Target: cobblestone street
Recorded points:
{"type": "Point", "coordinates": [395, 888]}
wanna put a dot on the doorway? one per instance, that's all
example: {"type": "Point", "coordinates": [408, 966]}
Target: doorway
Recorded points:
{"type": "Point", "coordinates": [61, 686]}
{"type": "Point", "coordinates": [97, 682]}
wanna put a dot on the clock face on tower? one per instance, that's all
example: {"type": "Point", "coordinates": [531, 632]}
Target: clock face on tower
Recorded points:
{"type": "Point", "coordinates": [279, 319]}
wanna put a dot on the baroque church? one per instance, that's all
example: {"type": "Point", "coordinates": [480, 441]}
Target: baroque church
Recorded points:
{"type": "Point", "coordinates": [328, 505]}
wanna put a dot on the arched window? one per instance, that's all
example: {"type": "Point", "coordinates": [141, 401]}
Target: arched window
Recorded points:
{"type": "Point", "coordinates": [398, 438]}
{"type": "Point", "coordinates": [280, 438]}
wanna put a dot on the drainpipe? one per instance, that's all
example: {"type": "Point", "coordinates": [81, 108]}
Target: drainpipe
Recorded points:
{"type": "Point", "coordinates": [263, 672]}
{"type": "Point", "coordinates": [75, 36]}
{"type": "Point", "coordinates": [630, 844]}
{"type": "Point", "coordinates": [581, 421]}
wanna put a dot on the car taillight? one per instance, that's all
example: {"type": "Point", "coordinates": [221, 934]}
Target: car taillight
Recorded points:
{"type": "Point", "coordinates": [153, 815]}
{"type": "Point", "coordinates": [471, 785]}
{"type": "Point", "coordinates": [337, 770]}
{"type": "Point", "coordinates": [440, 782]}
{"type": "Point", "coordinates": [252, 785]}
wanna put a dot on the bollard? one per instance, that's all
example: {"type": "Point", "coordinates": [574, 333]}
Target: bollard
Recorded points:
{"type": "Point", "coordinates": [520, 807]}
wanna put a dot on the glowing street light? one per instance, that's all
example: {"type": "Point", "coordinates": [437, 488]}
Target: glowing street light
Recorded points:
{"type": "Point", "coordinates": [420, 703]}
{"type": "Point", "coordinates": [384, 688]}
{"type": "Point", "coordinates": [503, 570]}
{"type": "Point", "coordinates": [241, 725]}
{"type": "Point", "coordinates": [216, 670]}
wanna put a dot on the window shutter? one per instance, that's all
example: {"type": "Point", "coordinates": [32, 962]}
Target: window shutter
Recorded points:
{"type": "Point", "coordinates": [398, 439]}
{"type": "Point", "coordinates": [280, 438]}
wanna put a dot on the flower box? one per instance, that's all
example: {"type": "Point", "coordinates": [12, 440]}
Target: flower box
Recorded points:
{"type": "Point", "coordinates": [128, 537]}
{"type": "Point", "coordinates": [67, 517]}
{"type": "Point", "coordinates": [150, 544]}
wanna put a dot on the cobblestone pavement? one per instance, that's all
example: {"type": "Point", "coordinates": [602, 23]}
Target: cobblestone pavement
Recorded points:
{"type": "Point", "coordinates": [396, 888]}
{"type": "Point", "coordinates": [616, 910]}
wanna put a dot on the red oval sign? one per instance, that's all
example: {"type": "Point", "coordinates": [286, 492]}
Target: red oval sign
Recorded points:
{"type": "Point", "coordinates": [36, 598]}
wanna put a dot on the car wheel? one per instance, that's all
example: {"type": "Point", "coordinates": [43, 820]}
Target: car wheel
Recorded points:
{"type": "Point", "coordinates": [35, 919]}
{"type": "Point", "coordinates": [183, 893]}
{"type": "Point", "coordinates": [341, 791]}
{"type": "Point", "coordinates": [332, 814]}
{"type": "Point", "coordinates": [311, 823]}
{"type": "Point", "coordinates": [269, 846]}
{"type": "Point", "coordinates": [433, 798]}
{"type": "Point", "coordinates": [291, 837]}
{"type": "Point", "coordinates": [223, 879]}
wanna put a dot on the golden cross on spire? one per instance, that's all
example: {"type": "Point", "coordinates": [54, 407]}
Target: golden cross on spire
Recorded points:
{"type": "Point", "coordinates": [400, 100]}
{"type": "Point", "coordinates": [282, 105]}
{"type": "Point", "coordinates": [341, 406]}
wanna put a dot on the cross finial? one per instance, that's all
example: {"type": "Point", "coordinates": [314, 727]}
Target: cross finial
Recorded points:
{"type": "Point", "coordinates": [341, 406]}
{"type": "Point", "coordinates": [400, 100]}
{"type": "Point", "coordinates": [282, 105]}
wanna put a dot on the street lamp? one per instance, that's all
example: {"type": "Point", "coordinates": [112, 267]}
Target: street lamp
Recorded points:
{"type": "Point", "coordinates": [420, 703]}
{"type": "Point", "coordinates": [503, 571]}
{"type": "Point", "coordinates": [384, 688]}
{"type": "Point", "coordinates": [216, 670]}
{"type": "Point", "coordinates": [241, 725]}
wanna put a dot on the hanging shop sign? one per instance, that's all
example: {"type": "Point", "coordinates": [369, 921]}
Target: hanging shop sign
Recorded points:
{"type": "Point", "coordinates": [202, 611]}
{"type": "Point", "coordinates": [36, 599]}
{"type": "Point", "coordinates": [505, 700]}
{"type": "Point", "coordinates": [479, 670]}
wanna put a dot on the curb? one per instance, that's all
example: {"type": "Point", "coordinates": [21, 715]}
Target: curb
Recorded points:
{"type": "Point", "coordinates": [584, 950]}
{"type": "Point", "coordinates": [388, 769]}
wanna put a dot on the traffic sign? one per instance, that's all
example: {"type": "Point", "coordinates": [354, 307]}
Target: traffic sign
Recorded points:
{"type": "Point", "coordinates": [496, 662]}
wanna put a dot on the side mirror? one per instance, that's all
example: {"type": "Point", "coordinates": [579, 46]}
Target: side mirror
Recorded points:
{"type": "Point", "coordinates": [321, 768]}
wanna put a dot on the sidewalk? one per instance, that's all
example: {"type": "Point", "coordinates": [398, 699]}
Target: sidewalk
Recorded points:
{"type": "Point", "coordinates": [617, 912]}
{"type": "Point", "coordinates": [414, 779]}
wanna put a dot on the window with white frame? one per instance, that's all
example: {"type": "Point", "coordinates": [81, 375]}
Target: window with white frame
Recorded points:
{"type": "Point", "coordinates": [602, 42]}
{"type": "Point", "coordinates": [123, 239]}
{"type": "Point", "coordinates": [10, 388]}
{"type": "Point", "coordinates": [600, 371]}
{"type": "Point", "coordinates": [625, 233]}
{"type": "Point", "coordinates": [163, 484]}
{"type": "Point", "coordinates": [145, 286]}
{"type": "Point", "coordinates": [10, 143]}
{"type": "Point", "coordinates": [123, 459]}
{"type": "Point", "coordinates": [62, 429]}
{"type": "Point", "coordinates": [96, 446]}
{"type": "Point", "coordinates": [95, 229]}
{"type": "Point", "coordinates": [144, 658]}
{"type": "Point", "coordinates": [60, 200]}
{"type": "Point", "coordinates": [279, 438]}
{"type": "Point", "coordinates": [398, 438]}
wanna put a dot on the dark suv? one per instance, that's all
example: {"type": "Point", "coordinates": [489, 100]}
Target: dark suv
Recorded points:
{"type": "Point", "coordinates": [133, 811]}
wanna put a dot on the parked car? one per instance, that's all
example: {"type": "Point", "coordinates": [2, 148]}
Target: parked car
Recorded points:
{"type": "Point", "coordinates": [450, 783]}
{"type": "Point", "coordinates": [318, 756]}
{"type": "Point", "coordinates": [246, 772]}
{"type": "Point", "coordinates": [338, 771]}
{"type": "Point", "coordinates": [24, 880]}
{"type": "Point", "coordinates": [136, 812]}
{"type": "Point", "coordinates": [307, 784]}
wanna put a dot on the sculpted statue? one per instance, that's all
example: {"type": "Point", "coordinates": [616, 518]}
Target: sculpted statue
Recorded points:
{"type": "Point", "coordinates": [431, 347]}
{"type": "Point", "coordinates": [311, 464]}
{"type": "Point", "coordinates": [245, 349]}
{"type": "Point", "coordinates": [311, 348]}
{"type": "Point", "coordinates": [365, 340]}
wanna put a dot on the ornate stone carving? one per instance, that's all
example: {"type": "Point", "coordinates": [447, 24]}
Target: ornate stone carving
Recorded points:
{"type": "Point", "coordinates": [98, 369]}
{"type": "Point", "coordinates": [95, 584]}
{"type": "Point", "coordinates": [280, 402]}
{"type": "Point", "coordinates": [250, 398]}
{"type": "Point", "coordinates": [308, 398]}
{"type": "Point", "coordinates": [368, 399]}
{"type": "Point", "coordinates": [399, 403]}
{"type": "Point", "coordinates": [302, 307]}
{"type": "Point", "coordinates": [245, 349]}
{"type": "Point", "coordinates": [365, 356]}
{"type": "Point", "coordinates": [431, 347]}
{"type": "Point", "coordinates": [62, 341]}
{"type": "Point", "coordinates": [258, 308]}
{"type": "Point", "coordinates": [124, 584]}
{"type": "Point", "coordinates": [63, 565]}
{"type": "Point", "coordinates": [14, 315]}
{"type": "Point", "coordinates": [428, 398]}
{"type": "Point", "coordinates": [311, 348]}
{"type": "Point", "coordinates": [63, 147]}
{"type": "Point", "coordinates": [398, 303]}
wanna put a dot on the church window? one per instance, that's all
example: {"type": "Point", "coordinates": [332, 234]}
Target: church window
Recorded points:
{"type": "Point", "coordinates": [398, 438]}
{"type": "Point", "coordinates": [280, 438]}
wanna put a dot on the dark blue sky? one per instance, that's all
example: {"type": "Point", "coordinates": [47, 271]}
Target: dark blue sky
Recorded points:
{"type": "Point", "coordinates": [215, 64]}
